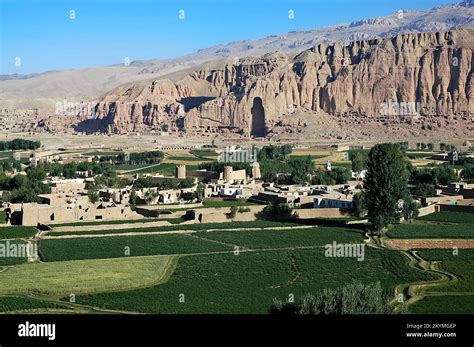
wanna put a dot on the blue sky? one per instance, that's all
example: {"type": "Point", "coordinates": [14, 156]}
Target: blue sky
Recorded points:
{"type": "Point", "coordinates": [103, 32]}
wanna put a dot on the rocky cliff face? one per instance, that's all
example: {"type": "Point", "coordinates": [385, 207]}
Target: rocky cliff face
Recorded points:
{"type": "Point", "coordinates": [430, 70]}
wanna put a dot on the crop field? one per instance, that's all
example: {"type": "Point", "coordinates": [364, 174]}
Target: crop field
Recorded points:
{"type": "Point", "coordinates": [127, 167]}
{"type": "Point", "coordinates": [435, 231]}
{"type": "Point", "coordinates": [419, 155]}
{"type": "Point", "coordinates": [284, 238]}
{"type": "Point", "coordinates": [9, 260]}
{"type": "Point", "coordinates": [84, 276]}
{"type": "Point", "coordinates": [196, 227]}
{"type": "Point", "coordinates": [205, 154]}
{"type": "Point", "coordinates": [461, 265]}
{"type": "Point", "coordinates": [116, 247]}
{"type": "Point", "coordinates": [123, 221]}
{"type": "Point", "coordinates": [449, 217]}
{"type": "Point", "coordinates": [457, 296]}
{"type": "Point", "coordinates": [22, 303]}
{"type": "Point", "coordinates": [248, 282]}
{"type": "Point", "coordinates": [183, 158]}
{"type": "Point", "coordinates": [17, 232]}
{"type": "Point", "coordinates": [445, 304]}
{"type": "Point", "coordinates": [163, 168]}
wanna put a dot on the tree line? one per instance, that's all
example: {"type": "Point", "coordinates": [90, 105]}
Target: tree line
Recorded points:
{"type": "Point", "coordinates": [19, 144]}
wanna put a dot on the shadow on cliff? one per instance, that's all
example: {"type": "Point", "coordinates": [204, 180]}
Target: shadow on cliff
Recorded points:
{"type": "Point", "coordinates": [194, 101]}
{"type": "Point", "coordinates": [90, 126]}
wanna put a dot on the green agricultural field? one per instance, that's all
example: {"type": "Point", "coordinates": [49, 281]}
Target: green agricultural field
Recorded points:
{"type": "Point", "coordinates": [5, 258]}
{"type": "Point", "coordinates": [418, 155]}
{"type": "Point", "coordinates": [248, 282]}
{"type": "Point", "coordinates": [449, 217]}
{"type": "Point", "coordinates": [181, 158]}
{"type": "Point", "coordinates": [17, 232]}
{"type": "Point", "coordinates": [435, 231]}
{"type": "Point", "coordinates": [115, 247]}
{"type": "Point", "coordinates": [196, 227]}
{"type": "Point", "coordinates": [163, 168]}
{"type": "Point", "coordinates": [457, 297]}
{"type": "Point", "coordinates": [123, 221]}
{"type": "Point", "coordinates": [85, 276]}
{"type": "Point", "coordinates": [127, 167]}
{"type": "Point", "coordinates": [461, 265]}
{"type": "Point", "coordinates": [12, 160]}
{"type": "Point", "coordinates": [204, 154]}
{"type": "Point", "coordinates": [3, 217]}
{"type": "Point", "coordinates": [23, 303]}
{"type": "Point", "coordinates": [285, 238]}
{"type": "Point", "coordinates": [6, 154]}
{"type": "Point", "coordinates": [445, 304]}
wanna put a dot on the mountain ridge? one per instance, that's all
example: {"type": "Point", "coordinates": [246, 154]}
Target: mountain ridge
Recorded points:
{"type": "Point", "coordinates": [253, 95]}
{"type": "Point", "coordinates": [44, 90]}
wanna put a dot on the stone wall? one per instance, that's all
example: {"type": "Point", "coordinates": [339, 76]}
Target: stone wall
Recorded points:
{"type": "Point", "coordinates": [321, 213]}
{"type": "Point", "coordinates": [427, 210]}
{"type": "Point", "coordinates": [456, 208]}
{"type": "Point", "coordinates": [34, 214]}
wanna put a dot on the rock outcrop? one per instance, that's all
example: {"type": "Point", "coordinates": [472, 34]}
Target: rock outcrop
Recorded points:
{"type": "Point", "coordinates": [430, 70]}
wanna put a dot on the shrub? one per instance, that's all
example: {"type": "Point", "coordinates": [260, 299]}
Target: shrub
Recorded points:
{"type": "Point", "coordinates": [354, 298]}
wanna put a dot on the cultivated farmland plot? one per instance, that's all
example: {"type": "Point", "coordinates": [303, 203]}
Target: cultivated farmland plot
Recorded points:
{"type": "Point", "coordinates": [436, 231]}
{"type": "Point", "coordinates": [457, 295]}
{"type": "Point", "coordinates": [248, 282]}
{"type": "Point", "coordinates": [84, 276]}
{"type": "Point", "coordinates": [21, 303]}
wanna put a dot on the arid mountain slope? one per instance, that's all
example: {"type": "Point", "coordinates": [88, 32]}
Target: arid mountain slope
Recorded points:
{"type": "Point", "coordinates": [254, 95]}
{"type": "Point", "coordinates": [44, 90]}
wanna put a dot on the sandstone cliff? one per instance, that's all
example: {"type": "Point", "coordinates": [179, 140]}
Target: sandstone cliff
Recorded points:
{"type": "Point", "coordinates": [252, 95]}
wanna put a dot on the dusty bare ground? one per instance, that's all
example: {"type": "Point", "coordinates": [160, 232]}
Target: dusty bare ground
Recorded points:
{"type": "Point", "coordinates": [313, 129]}
{"type": "Point", "coordinates": [407, 244]}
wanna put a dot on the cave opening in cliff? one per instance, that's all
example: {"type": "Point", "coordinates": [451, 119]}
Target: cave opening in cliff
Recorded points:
{"type": "Point", "coordinates": [258, 118]}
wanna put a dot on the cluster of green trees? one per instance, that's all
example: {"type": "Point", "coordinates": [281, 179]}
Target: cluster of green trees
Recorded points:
{"type": "Point", "coordinates": [18, 144]}
{"type": "Point", "coordinates": [423, 146]}
{"type": "Point", "coordinates": [21, 188]}
{"type": "Point", "coordinates": [75, 170]}
{"type": "Point", "coordinates": [277, 166]}
{"type": "Point", "coordinates": [272, 152]}
{"type": "Point", "coordinates": [403, 146]}
{"type": "Point", "coordinates": [441, 174]}
{"type": "Point", "coordinates": [446, 147]}
{"type": "Point", "coordinates": [279, 212]}
{"type": "Point", "coordinates": [358, 159]}
{"type": "Point", "coordinates": [467, 174]}
{"type": "Point", "coordinates": [423, 190]}
{"type": "Point", "coordinates": [386, 197]}
{"type": "Point", "coordinates": [337, 175]}
{"type": "Point", "coordinates": [354, 298]}
{"type": "Point", "coordinates": [9, 166]}
{"type": "Point", "coordinates": [140, 158]}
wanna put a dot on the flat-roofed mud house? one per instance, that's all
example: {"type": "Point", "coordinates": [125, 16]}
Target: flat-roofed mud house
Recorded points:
{"type": "Point", "coordinates": [74, 207]}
